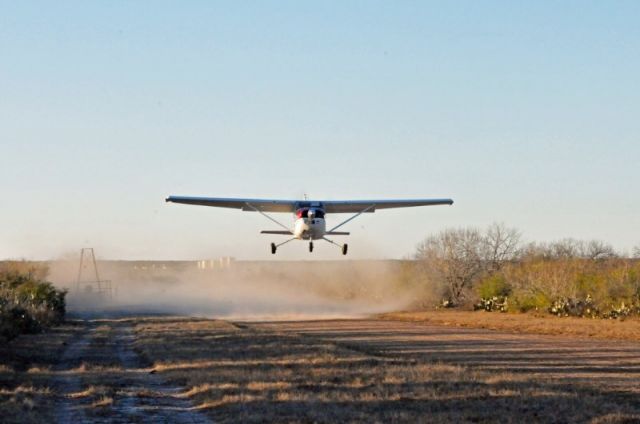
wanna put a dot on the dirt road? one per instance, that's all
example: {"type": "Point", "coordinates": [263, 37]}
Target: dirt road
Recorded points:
{"type": "Point", "coordinates": [101, 378]}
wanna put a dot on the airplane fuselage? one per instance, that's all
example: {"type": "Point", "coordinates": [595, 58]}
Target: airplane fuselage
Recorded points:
{"type": "Point", "coordinates": [309, 224]}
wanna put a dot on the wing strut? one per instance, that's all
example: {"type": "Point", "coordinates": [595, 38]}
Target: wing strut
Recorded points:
{"type": "Point", "coordinates": [274, 247]}
{"type": "Point", "coordinates": [342, 247]}
{"type": "Point", "coordinates": [268, 217]}
{"type": "Point", "coordinates": [285, 242]}
{"type": "Point", "coordinates": [353, 217]}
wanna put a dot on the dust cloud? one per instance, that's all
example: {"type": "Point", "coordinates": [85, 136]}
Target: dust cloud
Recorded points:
{"type": "Point", "coordinates": [238, 290]}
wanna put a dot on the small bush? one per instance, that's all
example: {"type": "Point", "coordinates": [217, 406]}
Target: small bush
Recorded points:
{"type": "Point", "coordinates": [494, 286]}
{"type": "Point", "coordinates": [27, 302]}
{"type": "Point", "coordinates": [530, 302]}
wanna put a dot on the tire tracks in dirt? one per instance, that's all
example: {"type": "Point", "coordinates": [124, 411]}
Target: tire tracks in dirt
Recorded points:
{"type": "Point", "coordinates": [134, 393]}
{"type": "Point", "coordinates": [66, 382]}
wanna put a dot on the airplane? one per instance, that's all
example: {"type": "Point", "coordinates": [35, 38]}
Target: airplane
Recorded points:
{"type": "Point", "coordinates": [309, 214]}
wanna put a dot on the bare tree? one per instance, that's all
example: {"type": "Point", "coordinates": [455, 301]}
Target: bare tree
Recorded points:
{"type": "Point", "coordinates": [636, 252]}
{"type": "Point", "coordinates": [453, 257]}
{"type": "Point", "coordinates": [501, 244]}
{"type": "Point", "coordinates": [596, 249]}
{"type": "Point", "coordinates": [569, 248]}
{"type": "Point", "coordinates": [565, 249]}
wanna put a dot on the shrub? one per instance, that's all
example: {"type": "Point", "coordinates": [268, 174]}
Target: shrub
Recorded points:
{"type": "Point", "coordinates": [533, 301]}
{"type": "Point", "coordinates": [27, 302]}
{"type": "Point", "coordinates": [494, 286]}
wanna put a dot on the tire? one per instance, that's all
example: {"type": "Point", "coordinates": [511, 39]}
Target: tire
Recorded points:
{"type": "Point", "coordinates": [344, 249]}
{"type": "Point", "coordinates": [273, 248]}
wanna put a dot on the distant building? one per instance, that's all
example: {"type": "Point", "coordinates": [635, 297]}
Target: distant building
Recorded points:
{"type": "Point", "coordinates": [219, 263]}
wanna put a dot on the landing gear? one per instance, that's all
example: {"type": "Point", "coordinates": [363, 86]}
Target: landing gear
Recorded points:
{"type": "Point", "coordinates": [310, 246]}
{"type": "Point", "coordinates": [273, 248]}
{"type": "Point", "coordinates": [342, 247]}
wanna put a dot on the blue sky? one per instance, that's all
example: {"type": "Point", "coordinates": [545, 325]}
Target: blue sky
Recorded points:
{"type": "Point", "coordinates": [526, 114]}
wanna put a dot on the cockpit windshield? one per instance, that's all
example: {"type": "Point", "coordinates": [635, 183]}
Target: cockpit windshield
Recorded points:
{"type": "Point", "coordinates": [304, 213]}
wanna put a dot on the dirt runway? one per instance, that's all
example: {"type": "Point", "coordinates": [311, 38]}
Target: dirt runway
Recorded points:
{"type": "Point", "coordinates": [181, 369]}
{"type": "Point", "coordinates": [603, 363]}
{"type": "Point", "coordinates": [100, 366]}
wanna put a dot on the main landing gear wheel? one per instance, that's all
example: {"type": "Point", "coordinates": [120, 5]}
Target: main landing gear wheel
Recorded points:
{"type": "Point", "coordinates": [344, 249]}
{"type": "Point", "coordinates": [310, 246]}
{"type": "Point", "coordinates": [273, 248]}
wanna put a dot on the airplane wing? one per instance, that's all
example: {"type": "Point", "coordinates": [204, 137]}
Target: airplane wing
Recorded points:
{"type": "Point", "coordinates": [330, 206]}
{"type": "Point", "coordinates": [354, 206]}
{"type": "Point", "coordinates": [265, 205]}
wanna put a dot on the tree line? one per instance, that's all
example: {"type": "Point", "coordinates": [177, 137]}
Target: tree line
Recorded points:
{"type": "Point", "coordinates": [468, 264]}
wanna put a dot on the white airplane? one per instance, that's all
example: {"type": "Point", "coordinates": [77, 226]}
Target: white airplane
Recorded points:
{"type": "Point", "coordinates": [309, 214]}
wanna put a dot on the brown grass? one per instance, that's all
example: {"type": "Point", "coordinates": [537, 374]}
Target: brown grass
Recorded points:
{"type": "Point", "coordinates": [25, 375]}
{"type": "Point", "coordinates": [628, 329]}
{"type": "Point", "coordinates": [102, 402]}
{"type": "Point", "coordinates": [251, 374]}
{"type": "Point", "coordinates": [315, 372]}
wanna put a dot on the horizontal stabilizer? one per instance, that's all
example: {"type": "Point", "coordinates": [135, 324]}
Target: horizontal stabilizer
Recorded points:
{"type": "Point", "coordinates": [283, 233]}
{"type": "Point", "coordinates": [337, 233]}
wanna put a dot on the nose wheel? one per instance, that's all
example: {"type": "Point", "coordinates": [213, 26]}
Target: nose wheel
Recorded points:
{"type": "Point", "coordinates": [310, 246]}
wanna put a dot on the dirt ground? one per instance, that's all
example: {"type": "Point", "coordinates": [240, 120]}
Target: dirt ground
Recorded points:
{"type": "Point", "coordinates": [175, 369]}
{"type": "Point", "coordinates": [94, 375]}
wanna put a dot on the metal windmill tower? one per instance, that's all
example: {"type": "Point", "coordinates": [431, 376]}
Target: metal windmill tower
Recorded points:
{"type": "Point", "coordinates": [88, 277]}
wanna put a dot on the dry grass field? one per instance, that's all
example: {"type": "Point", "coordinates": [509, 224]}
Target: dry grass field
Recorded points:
{"type": "Point", "coordinates": [381, 371]}
{"type": "Point", "coordinates": [86, 372]}
{"type": "Point", "coordinates": [173, 369]}
{"type": "Point", "coordinates": [27, 394]}
{"type": "Point", "coordinates": [614, 329]}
